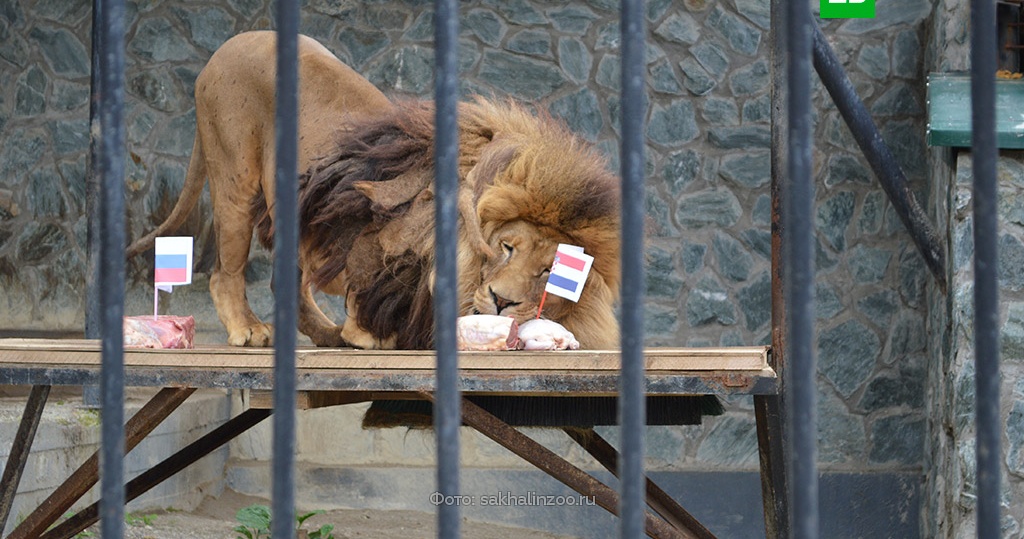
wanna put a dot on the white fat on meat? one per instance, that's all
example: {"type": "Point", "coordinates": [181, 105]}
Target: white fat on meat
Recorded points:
{"type": "Point", "coordinates": [486, 332]}
{"type": "Point", "coordinates": [544, 334]}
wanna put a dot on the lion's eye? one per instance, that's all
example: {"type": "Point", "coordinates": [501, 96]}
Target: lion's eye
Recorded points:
{"type": "Point", "coordinates": [544, 272]}
{"type": "Point", "coordinates": [508, 248]}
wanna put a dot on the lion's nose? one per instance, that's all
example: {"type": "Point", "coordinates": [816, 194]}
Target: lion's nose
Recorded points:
{"type": "Point", "coordinates": [501, 303]}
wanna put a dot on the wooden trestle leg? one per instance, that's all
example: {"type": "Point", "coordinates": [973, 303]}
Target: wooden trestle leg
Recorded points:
{"type": "Point", "coordinates": [657, 499]}
{"type": "Point", "coordinates": [555, 466]}
{"type": "Point", "coordinates": [20, 449]}
{"type": "Point", "coordinates": [75, 486]}
{"type": "Point", "coordinates": [165, 469]}
{"type": "Point", "coordinates": [771, 448]}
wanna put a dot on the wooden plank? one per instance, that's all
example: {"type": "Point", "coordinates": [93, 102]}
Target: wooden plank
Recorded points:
{"type": "Point", "coordinates": [308, 400]}
{"type": "Point", "coordinates": [85, 352]}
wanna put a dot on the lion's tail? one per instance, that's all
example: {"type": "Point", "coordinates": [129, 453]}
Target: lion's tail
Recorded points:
{"type": "Point", "coordinates": [195, 179]}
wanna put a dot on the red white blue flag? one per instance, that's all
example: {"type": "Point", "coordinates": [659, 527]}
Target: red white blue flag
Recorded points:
{"type": "Point", "coordinates": [173, 264]}
{"type": "Point", "coordinates": [569, 272]}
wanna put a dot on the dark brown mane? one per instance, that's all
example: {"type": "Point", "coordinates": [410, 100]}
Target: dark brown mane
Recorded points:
{"type": "Point", "coordinates": [366, 210]}
{"type": "Point", "coordinates": [338, 219]}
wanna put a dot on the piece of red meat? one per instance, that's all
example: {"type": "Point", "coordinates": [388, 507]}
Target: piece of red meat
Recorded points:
{"type": "Point", "coordinates": [162, 332]}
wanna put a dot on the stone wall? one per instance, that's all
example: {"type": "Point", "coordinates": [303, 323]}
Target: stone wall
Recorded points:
{"type": "Point", "coordinates": [949, 504]}
{"type": "Point", "coordinates": [708, 177]}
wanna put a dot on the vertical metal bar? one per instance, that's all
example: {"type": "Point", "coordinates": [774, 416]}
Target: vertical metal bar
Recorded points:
{"type": "Point", "coordinates": [91, 394]}
{"type": "Point", "coordinates": [632, 412]}
{"type": "Point", "coordinates": [986, 278]}
{"type": "Point", "coordinates": [447, 410]}
{"type": "Point", "coordinates": [798, 246]}
{"type": "Point", "coordinates": [286, 271]}
{"type": "Point", "coordinates": [112, 66]}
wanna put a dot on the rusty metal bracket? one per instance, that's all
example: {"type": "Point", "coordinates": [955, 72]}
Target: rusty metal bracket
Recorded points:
{"type": "Point", "coordinates": [75, 486]}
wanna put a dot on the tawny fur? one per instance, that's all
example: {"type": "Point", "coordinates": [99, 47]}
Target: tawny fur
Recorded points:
{"type": "Point", "coordinates": [366, 203]}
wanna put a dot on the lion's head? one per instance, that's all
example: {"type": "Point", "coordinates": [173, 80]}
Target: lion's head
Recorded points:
{"type": "Point", "coordinates": [526, 185]}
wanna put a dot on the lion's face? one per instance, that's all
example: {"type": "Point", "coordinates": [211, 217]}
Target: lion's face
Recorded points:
{"type": "Point", "coordinates": [512, 281]}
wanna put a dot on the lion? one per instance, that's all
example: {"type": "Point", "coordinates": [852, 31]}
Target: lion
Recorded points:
{"type": "Point", "coordinates": [366, 208]}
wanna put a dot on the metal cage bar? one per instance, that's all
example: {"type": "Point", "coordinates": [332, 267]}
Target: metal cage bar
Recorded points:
{"type": "Point", "coordinates": [632, 413]}
{"type": "Point", "coordinates": [447, 408]}
{"type": "Point", "coordinates": [112, 264]}
{"type": "Point", "coordinates": [986, 279]}
{"type": "Point", "coordinates": [798, 259]}
{"type": "Point", "coordinates": [286, 273]}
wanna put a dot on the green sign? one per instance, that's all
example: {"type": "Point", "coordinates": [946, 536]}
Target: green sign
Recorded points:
{"type": "Point", "coordinates": [847, 9]}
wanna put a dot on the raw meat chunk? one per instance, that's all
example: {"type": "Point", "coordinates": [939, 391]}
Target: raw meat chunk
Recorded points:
{"type": "Point", "coordinates": [486, 332]}
{"type": "Point", "coordinates": [162, 332]}
{"type": "Point", "coordinates": [544, 334]}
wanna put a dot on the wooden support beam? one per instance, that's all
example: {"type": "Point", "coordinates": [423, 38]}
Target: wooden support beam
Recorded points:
{"type": "Point", "coordinates": [162, 471]}
{"type": "Point", "coordinates": [555, 466]}
{"type": "Point", "coordinates": [657, 499]}
{"type": "Point", "coordinates": [20, 449]}
{"type": "Point", "coordinates": [75, 486]}
{"type": "Point", "coordinates": [308, 400]}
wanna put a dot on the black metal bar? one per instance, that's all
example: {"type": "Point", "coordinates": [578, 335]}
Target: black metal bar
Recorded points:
{"type": "Point", "coordinates": [286, 271]}
{"type": "Point", "coordinates": [91, 394]}
{"type": "Point", "coordinates": [798, 226]}
{"type": "Point", "coordinates": [112, 272]}
{"type": "Point", "coordinates": [20, 449]}
{"type": "Point", "coordinates": [986, 278]}
{"type": "Point", "coordinates": [447, 416]}
{"type": "Point", "coordinates": [879, 157]}
{"type": "Point", "coordinates": [165, 469]}
{"type": "Point", "coordinates": [632, 412]}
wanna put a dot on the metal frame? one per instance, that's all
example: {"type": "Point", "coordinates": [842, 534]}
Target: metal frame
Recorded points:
{"type": "Point", "coordinates": [792, 319]}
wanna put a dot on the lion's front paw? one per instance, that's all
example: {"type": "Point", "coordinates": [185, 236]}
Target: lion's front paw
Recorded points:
{"type": "Point", "coordinates": [259, 335]}
{"type": "Point", "coordinates": [329, 338]}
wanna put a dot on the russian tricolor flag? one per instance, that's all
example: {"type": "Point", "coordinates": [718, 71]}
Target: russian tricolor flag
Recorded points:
{"type": "Point", "coordinates": [173, 264]}
{"type": "Point", "coordinates": [569, 272]}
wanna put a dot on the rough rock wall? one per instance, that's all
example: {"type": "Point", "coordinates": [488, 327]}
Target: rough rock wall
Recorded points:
{"type": "Point", "coordinates": [708, 176]}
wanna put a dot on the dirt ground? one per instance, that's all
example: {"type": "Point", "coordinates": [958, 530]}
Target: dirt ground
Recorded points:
{"type": "Point", "coordinates": [215, 519]}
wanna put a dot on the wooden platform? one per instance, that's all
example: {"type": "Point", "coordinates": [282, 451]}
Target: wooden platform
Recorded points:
{"type": "Point", "coordinates": [329, 377]}
{"type": "Point", "coordinates": [670, 371]}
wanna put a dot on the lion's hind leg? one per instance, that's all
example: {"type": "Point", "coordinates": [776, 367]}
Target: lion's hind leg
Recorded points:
{"type": "Point", "coordinates": [232, 193]}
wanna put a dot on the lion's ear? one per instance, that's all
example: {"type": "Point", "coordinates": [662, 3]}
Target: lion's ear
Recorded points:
{"type": "Point", "coordinates": [390, 194]}
{"type": "Point", "coordinates": [494, 158]}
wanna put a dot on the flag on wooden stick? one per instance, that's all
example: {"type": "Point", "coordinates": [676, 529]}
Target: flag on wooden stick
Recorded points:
{"type": "Point", "coordinates": [173, 262]}
{"type": "Point", "coordinates": [568, 274]}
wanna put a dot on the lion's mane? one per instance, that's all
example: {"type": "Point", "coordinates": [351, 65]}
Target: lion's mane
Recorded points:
{"type": "Point", "coordinates": [367, 211]}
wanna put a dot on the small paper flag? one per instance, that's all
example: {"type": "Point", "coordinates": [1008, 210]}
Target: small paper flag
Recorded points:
{"type": "Point", "coordinates": [569, 272]}
{"type": "Point", "coordinates": [173, 263]}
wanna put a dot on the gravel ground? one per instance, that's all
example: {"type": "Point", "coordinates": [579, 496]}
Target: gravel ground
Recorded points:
{"type": "Point", "coordinates": [215, 519]}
